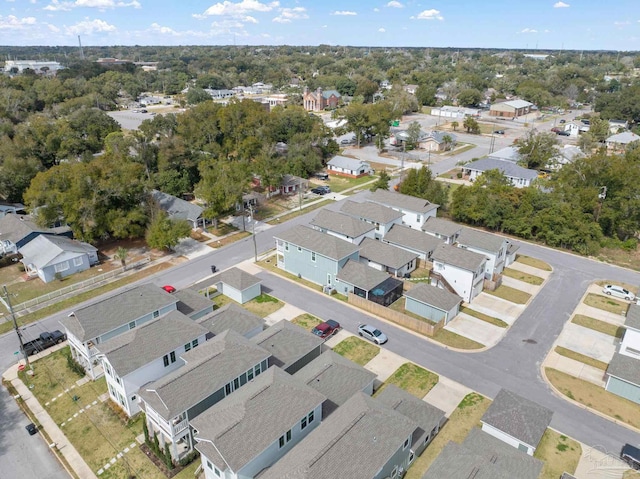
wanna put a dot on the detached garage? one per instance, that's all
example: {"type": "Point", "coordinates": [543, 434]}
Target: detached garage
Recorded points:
{"type": "Point", "coordinates": [432, 303]}
{"type": "Point", "coordinates": [238, 285]}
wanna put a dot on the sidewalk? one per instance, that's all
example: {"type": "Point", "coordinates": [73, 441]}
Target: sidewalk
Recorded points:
{"type": "Point", "coordinates": [574, 368]}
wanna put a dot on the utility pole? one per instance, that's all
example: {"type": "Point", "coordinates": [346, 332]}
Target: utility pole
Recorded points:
{"type": "Point", "coordinates": [253, 234]}
{"type": "Point", "coordinates": [15, 325]}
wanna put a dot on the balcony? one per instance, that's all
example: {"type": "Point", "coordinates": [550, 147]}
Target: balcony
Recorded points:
{"type": "Point", "coordinates": [179, 426]}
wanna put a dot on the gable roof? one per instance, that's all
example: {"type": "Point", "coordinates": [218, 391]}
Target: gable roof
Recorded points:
{"type": "Point", "coordinates": [208, 368]}
{"type": "Point", "coordinates": [248, 421]}
{"type": "Point", "coordinates": [518, 417]}
{"type": "Point", "coordinates": [385, 254]}
{"type": "Point", "coordinates": [417, 240]}
{"type": "Point", "coordinates": [341, 223]}
{"type": "Point", "coordinates": [175, 207]}
{"type": "Point", "coordinates": [438, 136]}
{"type": "Point", "coordinates": [437, 297]}
{"type": "Point", "coordinates": [458, 257]}
{"type": "Point", "coordinates": [191, 301]}
{"type": "Point", "coordinates": [287, 342]}
{"type": "Point", "coordinates": [16, 227]}
{"type": "Point", "coordinates": [623, 138]}
{"type": "Point", "coordinates": [507, 168]}
{"type": "Point", "coordinates": [328, 93]}
{"type": "Point", "coordinates": [110, 313]}
{"type": "Point", "coordinates": [632, 319]}
{"type": "Point", "coordinates": [625, 367]}
{"type": "Point", "coordinates": [517, 103]}
{"type": "Point", "coordinates": [346, 163]}
{"type": "Point", "coordinates": [231, 316]}
{"type": "Point", "coordinates": [481, 240]}
{"type": "Point", "coordinates": [371, 212]}
{"type": "Point", "coordinates": [236, 278]}
{"type": "Point", "coordinates": [402, 201]}
{"type": "Point", "coordinates": [509, 153]}
{"type": "Point", "coordinates": [360, 275]}
{"type": "Point", "coordinates": [321, 243]}
{"type": "Point", "coordinates": [47, 250]}
{"type": "Point", "coordinates": [152, 340]}
{"type": "Point", "coordinates": [357, 440]}
{"type": "Point", "coordinates": [441, 227]}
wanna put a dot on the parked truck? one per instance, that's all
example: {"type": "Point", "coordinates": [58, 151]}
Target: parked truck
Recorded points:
{"type": "Point", "coordinates": [44, 341]}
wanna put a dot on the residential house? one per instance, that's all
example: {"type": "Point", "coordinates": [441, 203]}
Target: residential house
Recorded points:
{"type": "Point", "coordinates": [415, 211]}
{"type": "Point", "coordinates": [459, 270]}
{"type": "Point", "coordinates": [250, 430]}
{"type": "Point", "coordinates": [17, 230]}
{"type": "Point", "coordinates": [493, 247]}
{"type": "Point", "coordinates": [368, 283]}
{"type": "Point", "coordinates": [382, 217]}
{"type": "Point", "coordinates": [411, 89]}
{"type": "Point", "coordinates": [455, 113]}
{"type": "Point", "coordinates": [564, 156]}
{"type": "Point", "coordinates": [342, 226]}
{"type": "Point", "coordinates": [179, 209]}
{"type": "Point", "coordinates": [618, 143]}
{"type": "Point", "coordinates": [516, 421]}
{"type": "Point", "coordinates": [145, 354]}
{"type": "Point", "coordinates": [512, 250]}
{"type": "Point", "coordinates": [511, 109]}
{"type": "Point", "coordinates": [313, 255]}
{"type": "Point", "coordinates": [385, 257]}
{"type": "Point", "coordinates": [575, 129]}
{"type": "Point", "coordinates": [234, 317]}
{"type": "Point", "coordinates": [445, 230]}
{"type": "Point", "coordinates": [92, 325]}
{"type": "Point", "coordinates": [193, 304]}
{"type": "Point", "coordinates": [50, 257]}
{"type": "Point", "coordinates": [412, 240]}
{"type": "Point", "coordinates": [320, 100]}
{"type": "Point", "coordinates": [428, 418]}
{"type": "Point", "coordinates": [291, 185]}
{"type": "Point", "coordinates": [337, 378]}
{"type": "Point", "coordinates": [362, 439]}
{"type": "Point", "coordinates": [623, 373]}
{"type": "Point", "coordinates": [238, 285]}
{"type": "Point", "coordinates": [618, 126]}
{"type": "Point", "coordinates": [482, 456]}
{"type": "Point", "coordinates": [11, 209]}
{"type": "Point", "coordinates": [438, 141]}
{"type": "Point", "coordinates": [518, 176]}
{"type": "Point", "coordinates": [349, 167]}
{"type": "Point", "coordinates": [211, 372]}
{"type": "Point", "coordinates": [433, 303]}
{"type": "Point", "coordinates": [509, 153]}
{"type": "Point", "coordinates": [290, 346]}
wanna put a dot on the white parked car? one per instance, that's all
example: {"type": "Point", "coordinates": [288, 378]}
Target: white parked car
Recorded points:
{"type": "Point", "coordinates": [619, 292]}
{"type": "Point", "coordinates": [372, 334]}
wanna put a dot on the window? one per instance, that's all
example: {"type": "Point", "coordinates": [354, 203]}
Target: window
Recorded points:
{"type": "Point", "coordinates": [289, 435]}
{"type": "Point", "coordinates": [187, 347]}
{"type": "Point", "coordinates": [286, 246]}
{"type": "Point", "coordinates": [311, 417]}
{"type": "Point", "coordinates": [406, 444]}
{"type": "Point", "coordinates": [60, 267]}
{"type": "Point", "coordinates": [173, 356]}
{"type": "Point", "coordinates": [194, 343]}
{"type": "Point", "coordinates": [313, 256]}
{"type": "Point", "coordinates": [329, 278]}
{"type": "Point", "coordinates": [77, 261]}
{"type": "Point", "coordinates": [132, 324]}
{"type": "Point", "coordinates": [236, 383]}
{"type": "Point", "coordinates": [243, 379]}
{"type": "Point", "coordinates": [216, 471]}
{"type": "Point", "coordinates": [134, 397]}
{"type": "Point", "coordinates": [299, 249]}
{"type": "Point", "coordinates": [209, 465]}
{"type": "Point", "coordinates": [257, 370]}
{"type": "Point", "coordinates": [284, 439]}
{"type": "Point", "coordinates": [411, 457]}
{"type": "Point", "coordinates": [169, 358]}
{"type": "Point", "coordinates": [250, 375]}
{"type": "Point", "coordinates": [227, 389]}
{"type": "Point", "coordinates": [303, 423]}
{"type": "Point", "coordinates": [156, 314]}
{"type": "Point", "coordinates": [394, 473]}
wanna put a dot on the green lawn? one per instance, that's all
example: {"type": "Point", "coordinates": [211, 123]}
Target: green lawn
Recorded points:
{"type": "Point", "coordinates": [340, 183]}
{"type": "Point", "coordinates": [581, 357]}
{"type": "Point", "coordinates": [262, 306]}
{"type": "Point", "coordinates": [606, 303]}
{"type": "Point", "coordinates": [597, 325]}
{"type": "Point", "coordinates": [511, 294]}
{"type": "Point", "coordinates": [306, 321]}
{"type": "Point", "coordinates": [484, 317]}
{"type": "Point", "coordinates": [357, 350]}
{"type": "Point", "coordinates": [536, 263]}
{"type": "Point", "coordinates": [559, 453]}
{"type": "Point", "coordinates": [455, 340]}
{"type": "Point", "coordinates": [299, 212]}
{"type": "Point", "coordinates": [413, 379]}
{"type": "Point", "coordinates": [519, 275]}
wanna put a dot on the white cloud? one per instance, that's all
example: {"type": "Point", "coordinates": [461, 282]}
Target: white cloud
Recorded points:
{"type": "Point", "coordinates": [11, 22]}
{"type": "Point", "coordinates": [394, 4]}
{"type": "Point", "coordinates": [343, 12]}
{"type": "Point", "coordinates": [239, 9]}
{"type": "Point", "coordinates": [528, 30]}
{"type": "Point", "coordinates": [287, 15]}
{"type": "Point", "coordinates": [88, 27]}
{"type": "Point", "coordinates": [561, 5]}
{"type": "Point", "coordinates": [65, 6]}
{"type": "Point", "coordinates": [619, 24]}
{"type": "Point", "coordinates": [381, 30]}
{"type": "Point", "coordinates": [432, 14]}
{"type": "Point", "coordinates": [377, 10]}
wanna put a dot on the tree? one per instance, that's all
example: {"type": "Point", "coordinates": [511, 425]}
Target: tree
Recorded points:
{"type": "Point", "coordinates": [448, 142]}
{"type": "Point", "coordinates": [382, 183]}
{"type": "Point", "coordinates": [165, 233]}
{"type": "Point", "coordinates": [197, 95]}
{"type": "Point", "coordinates": [122, 254]}
{"type": "Point", "coordinates": [536, 149]}
{"type": "Point", "coordinates": [221, 186]}
{"type": "Point", "coordinates": [426, 95]}
{"type": "Point", "coordinates": [598, 128]}
{"type": "Point", "coordinates": [469, 97]}
{"type": "Point", "coordinates": [415, 132]}
{"type": "Point", "coordinates": [421, 184]}
{"type": "Point", "coordinates": [346, 86]}
{"type": "Point", "coordinates": [454, 125]}
{"type": "Point", "coordinates": [471, 125]}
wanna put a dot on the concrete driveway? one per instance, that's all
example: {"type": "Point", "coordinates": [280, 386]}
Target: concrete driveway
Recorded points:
{"type": "Point", "coordinates": [190, 248]}
{"type": "Point", "coordinates": [475, 329]}
{"type": "Point", "coordinates": [525, 268]}
{"type": "Point", "coordinates": [496, 307]}
{"type": "Point", "coordinates": [520, 285]}
{"type": "Point", "coordinates": [446, 395]}
{"type": "Point", "coordinates": [586, 341]}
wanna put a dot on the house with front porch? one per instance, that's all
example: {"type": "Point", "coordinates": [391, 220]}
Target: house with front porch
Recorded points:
{"type": "Point", "coordinates": [179, 209]}
{"type": "Point", "coordinates": [368, 283]}
{"type": "Point", "coordinates": [342, 226]}
{"type": "Point", "coordinates": [211, 372]}
{"type": "Point", "coordinates": [415, 211]}
{"type": "Point", "coordinates": [385, 257]}
{"type": "Point", "coordinates": [382, 217]}
{"type": "Point", "coordinates": [446, 230]}
{"type": "Point", "coordinates": [250, 430]}
{"type": "Point", "coordinates": [518, 176]}
{"type": "Point", "coordinates": [432, 303]}
{"type": "Point", "coordinates": [412, 240]}
{"type": "Point", "coordinates": [92, 325]}
{"type": "Point", "coordinates": [292, 185]}
{"type": "Point", "coordinates": [493, 247]}
{"type": "Point", "coordinates": [618, 143]}
{"type": "Point", "coordinates": [458, 270]}
{"type": "Point", "coordinates": [349, 167]}
{"type": "Point", "coordinates": [623, 373]}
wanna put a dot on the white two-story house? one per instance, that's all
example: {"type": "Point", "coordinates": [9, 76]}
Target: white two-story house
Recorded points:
{"type": "Point", "coordinates": [458, 270]}
{"type": "Point", "coordinates": [145, 354]}
{"type": "Point", "coordinates": [343, 226]}
{"type": "Point", "coordinates": [623, 373]}
{"type": "Point", "coordinates": [253, 428]}
{"type": "Point", "coordinates": [382, 217]}
{"type": "Point", "coordinates": [493, 247]}
{"type": "Point", "coordinates": [415, 211]}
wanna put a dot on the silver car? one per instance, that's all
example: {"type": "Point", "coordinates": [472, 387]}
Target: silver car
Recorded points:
{"type": "Point", "coordinates": [372, 334]}
{"type": "Point", "coordinates": [619, 292]}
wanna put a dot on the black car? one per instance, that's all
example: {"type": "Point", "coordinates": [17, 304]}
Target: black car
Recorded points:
{"type": "Point", "coordinates": [631, 455]}
{"type": "Point", "coordinates": [321, 190]}
{"type": "Point", "coordinates": [31, 428]}
{"type": "Point", "coordinates": [499, 132]}
{"type": "Point", "coordinates": [564, 133]}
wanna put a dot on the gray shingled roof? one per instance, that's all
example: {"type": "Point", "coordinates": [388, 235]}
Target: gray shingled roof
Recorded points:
{"type": "Point", "coordinates": [426, 416]}
{"type": "Point", "coordinates": [458, 257]}
{"type": "Point", "coordinates": [625, 368]}
{"type": "Point", "coordinates": [236, 278]}
{"type": "Point", "coordinates": [360, 275]}
{"type": "Point", "coordinates": [47, 250]}
{"type": "Point", "coordinates": [191, 301]}
{"type": "Point", "coordinates": [175, 207]}
{"type": "Point", "coordinates": [517, 103]}
{"type": "Point", "coordinates": [482, 456]}
{"type": "Point", "coordinates": [336, 377]}
{"type": "Point", "coordinates": [371, 212]}
{"type": "Point", "coordinates": [518, 417]}
{"type": "Point", "coordinates": [433, 296]}
{"type": "Point", "coordinates": [144, 344]}
{"type": "Point", "coordinates": [399, 200]}
{"type": "Point", "coordinates": [623, 138]}
{"type": "Point", "coordinates": [512, 248]}
{"type": "Point", "coordinates": [209, 367]}
{"type": "Point", "coordinates": [341, 223]}
{"type": "Point", "coordinates": [245, 423]}
{"type": "Point", "coordinates": [110, 313]}
{"type": "Point", "coordinates": [481, 240]}
{"type": "Point", "coordinates": [385, 254]}
{"type": "Point", "coordinates": [507, 168]}
{"type": "Point", "coordinates": [509, 153]}
{"type": "Point", "coordinates": [231, 316]}
{"type": "Point", "coordinates": [632, 319]}
{"type": "Point", "coordinates": [287, 342]}
{"type": "Point", "coordinates": [15, 227]}
{"type": "Point", "coordinates": [345, 162]}
{"type": "Point", "coordinates": [441, 227]}
{"type": "Point", "coordinates": [322, 243]}
{"type": "Point", "coordinates": [410, 238]}
{"type": "Point", "coordinates": [356, 441]}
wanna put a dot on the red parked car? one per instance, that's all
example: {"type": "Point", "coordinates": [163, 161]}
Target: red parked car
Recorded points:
{"type": "Point", "coordinates": [326, 328]}
{"type": "Point", "coordinates": [169, 289]}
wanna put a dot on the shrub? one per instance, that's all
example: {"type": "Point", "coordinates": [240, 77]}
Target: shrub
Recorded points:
{"type": "Point", "coordinates": [459, 174]}
{"type": "Point", "coordinates": [75, 366]}
{"type": "Point", "coordinates": [189, 458]}
{"type": "Point", "coordinates": [167, 456]}
{"type": "Point", "coordinates": [145, 429]}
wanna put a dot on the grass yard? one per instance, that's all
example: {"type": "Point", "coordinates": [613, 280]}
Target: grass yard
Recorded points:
{"type": "Point", "coordinates": [595, 397]}
{"type": "Point", "coordinates": [536, 263]}
{"type": "Point", "coordinates": [298, 212]}
{"type": "Point", "coordinates": [581, 357]}
{"type": "Point", "coordinates": [215, 244]}
{"type": "Point", "coordinates": [270, 264]}
{"type": "Point", "coordinates": [519, 275]}
{"type": "Point", "coordinates": [263, 305]}
{"type": "Point", "coordinates": [222, 229]}
{"type": "Point", "coordinates": [462, 420]}
{"type": "Point", "coordinates": [462, 149]}
{"type": "Point", "coordinates": [511, 294]}
{"type": "Point", "coordinates": [268, 210]}
{"type": "Point", "coordinates": [606, 303]}
{"type": "Point", "coordinates": [357, 350]}
{"type": "Point", "coordinates": [454, 340]}
{"type": "Point", "coordinates": [413, 379]}
{"type": "Point", "coordinates": [484, 317]}
{"type": "Point", "coordinates": [597, 325]}
{"type": "Point", "coordinates": [306, 321]}
{"type": "Point", "coordinates": [559, 453]}
{"type": "Point", "coordinates": [340, 183]}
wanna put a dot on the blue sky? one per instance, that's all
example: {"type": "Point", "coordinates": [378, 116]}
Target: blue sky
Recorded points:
{"type": "Point", "coordinates": [545, 24]}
